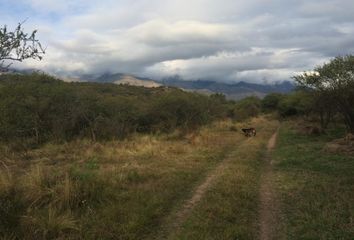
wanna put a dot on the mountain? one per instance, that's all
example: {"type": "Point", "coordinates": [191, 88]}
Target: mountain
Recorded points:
{"type": "Point", "coordinates": [131, 80]}
{"type": "Point", "coordinates": [233, 91]}
{"type": "Point", "coordinates": [124, 79]}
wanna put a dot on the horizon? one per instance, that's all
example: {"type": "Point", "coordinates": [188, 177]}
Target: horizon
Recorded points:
{"type": "Point", "coordinates": [228, 41]}
{"type": "Point", "coordinates": [175, 78]}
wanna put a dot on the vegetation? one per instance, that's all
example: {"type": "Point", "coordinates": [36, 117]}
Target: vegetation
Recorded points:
{"type": "Point", "coordinates": [229, 210]}
{"type": "Point", "coordinates": [246, 108]}
{"type": "Point", "coordinates": [315, 187]}
{"type": "Point", "coordinates": [76, 157]}
{"type": "Point", "coordinates": [271, 102]}
{"type": "Point", "coordinates": [114, 189]}
{"type": "Point", "coordinates": [332, 87]}
{"type": "Point", "coordinates": [17, 46]}
{"type": "Point", "coordinates": [104, 161]}
{"type": "Point", "coordinates": [38, 108]}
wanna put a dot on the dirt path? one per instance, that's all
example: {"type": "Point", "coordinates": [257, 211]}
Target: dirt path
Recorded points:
{"type": "Point", "coordinates": [268, 210]}
{"type": "Point", "coordinates": [198, 193]}
{"type": "Point", "coordinates": [270, 227]}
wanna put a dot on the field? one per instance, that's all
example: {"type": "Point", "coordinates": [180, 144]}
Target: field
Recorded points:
{"type": "Point", "coordinates": [316, 188]}
{"type": "Point", "coordinates": [150, 121]}
{"type": "Point", "coordinates": [205, 185]}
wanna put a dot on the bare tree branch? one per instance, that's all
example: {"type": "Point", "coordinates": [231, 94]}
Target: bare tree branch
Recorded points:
{"type": "Point", "coordinates": [16, 46]}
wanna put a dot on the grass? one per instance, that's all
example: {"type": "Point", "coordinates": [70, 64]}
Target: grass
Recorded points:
{"type": "Point", "coordinates": [131, 189]}
{"type": "Point", "coordinates": [110, 190]}
{"type": "Point", "coordinates": [229, 209]}
{"type": "Point", "coordinates": [316, 188]}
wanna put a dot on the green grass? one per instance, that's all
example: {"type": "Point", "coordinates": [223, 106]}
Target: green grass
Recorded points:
{"type": "Point", "coordinates": [229, 209]}
{"type": "Point", "coordinates": [129, 189]}
{"type": "Point", "coordinates": [316, 188]}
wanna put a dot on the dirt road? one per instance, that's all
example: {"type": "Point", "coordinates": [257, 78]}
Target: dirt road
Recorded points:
{"type": "Point", "coordinates": [269, 215]}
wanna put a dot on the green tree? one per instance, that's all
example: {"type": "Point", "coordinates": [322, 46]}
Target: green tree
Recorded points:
{"type": "Point", "coordinates": [297, 103]}
{"type": "Point", "coordinates": [247, 108]}
{"type": "Point", "coordinates": [176, 109]}
{"type": "Point", "coordinates": [335, 81]}
{"type": "Point", "coordinates": [16, 46]}
{"type": "Point", "coordinates": [271, 101]}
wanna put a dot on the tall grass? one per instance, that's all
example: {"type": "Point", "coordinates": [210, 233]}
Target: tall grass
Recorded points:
{"type": "Point", "coordinates": [109, 190]}
{"type": "Point", "coordinates": [48, 223]}
{"type": "Point", "coordinates": [6, 180]}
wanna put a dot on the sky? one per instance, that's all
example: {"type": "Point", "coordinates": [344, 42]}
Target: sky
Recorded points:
{"type": "Point", "coordinates": [222, 40]}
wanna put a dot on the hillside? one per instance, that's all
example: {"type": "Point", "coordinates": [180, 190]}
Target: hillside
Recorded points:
{"type": "Point", "coordinates": [233, 91]}
{"type": "Point", "coordinates": [87, 160]}
{"type": "Point", "coordinates": [41, 108]}
{"type": "Point", "coordinates": [132, 81]}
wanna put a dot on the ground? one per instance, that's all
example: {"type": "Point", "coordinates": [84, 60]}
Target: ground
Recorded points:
{"type": "Point", "coordinates": [214, 184]}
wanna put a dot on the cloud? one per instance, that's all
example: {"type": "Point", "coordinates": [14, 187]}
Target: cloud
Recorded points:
{"type": "Point", "coordinates": [227, 40]}
{"type": "Point", "coordinates": [255, 65]}
{"type": "Point", "coordinates": [143, 45]}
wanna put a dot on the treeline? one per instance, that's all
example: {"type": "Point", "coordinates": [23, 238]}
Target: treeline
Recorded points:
{"type": "Point", "coordinates": [325, 94]}
{"type": "Point", "coordinates": [303, 103]}
{"type": "Point", "coordinates": [39, 108]}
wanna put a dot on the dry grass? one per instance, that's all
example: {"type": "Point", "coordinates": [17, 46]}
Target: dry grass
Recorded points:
{"type": "Point", "coordinates": [117, 189]}
{"type": "Point", "coordinates": [229, 209]}
{"type": "Point", "coordinates": [130, 189]}
{"type": "Point", "coordinates": [6, 180]}
{"type": "Point", "coordinates": [49, 223]}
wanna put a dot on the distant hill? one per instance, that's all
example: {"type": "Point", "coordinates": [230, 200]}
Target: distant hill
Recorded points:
{"type": "Point", "coordinates": [232, 91]}
{"type": "Point", "coordinates": [124, 79]}
{"type": "Point", "coordinates": [131, 80]}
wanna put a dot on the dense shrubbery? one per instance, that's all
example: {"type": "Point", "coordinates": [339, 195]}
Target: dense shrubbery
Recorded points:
{"type": "Point", "coordinates": [246, 108]}
{"type": "Point", "coordinates": [301, 102]}
{"type": "Point", "coordinates": [39, 108]}
{"type": "Point", "coordinates": [332, 88]}
{"type": "Point", "coordinates": [323, 95]}
{"type": "Point", "coordinates": [271, 102]}
{"type": "Point", "coordinates": [296, 103]}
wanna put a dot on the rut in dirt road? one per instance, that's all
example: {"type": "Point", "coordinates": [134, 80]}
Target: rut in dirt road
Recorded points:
{"type": "Point", "coordinates": [198, 194]}
{"type": "Point", "coordinates": [268, 209]}
{"type": "Point", "coordinates": [270, 224]}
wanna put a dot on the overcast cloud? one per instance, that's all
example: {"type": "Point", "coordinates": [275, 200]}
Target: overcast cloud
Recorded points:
{"type": "Point", "coordinates": [223, 40]}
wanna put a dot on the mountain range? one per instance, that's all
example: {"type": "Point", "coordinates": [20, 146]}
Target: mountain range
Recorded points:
{"type": "Point", "coordinates": [232, 91]}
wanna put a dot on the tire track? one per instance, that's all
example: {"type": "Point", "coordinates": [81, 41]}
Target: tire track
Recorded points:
{"type": "Point", "coordinates": [269, 215]}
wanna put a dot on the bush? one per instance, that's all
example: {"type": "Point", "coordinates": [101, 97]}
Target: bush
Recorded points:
{"type": "Point", "coordinates": [271, 102]}
{"type": "Point", "coordinates": [296, 103]}
{"type": "Point", "coordinates": [38, 108]}
{"type": "Point", "coordinates": [246, 108]}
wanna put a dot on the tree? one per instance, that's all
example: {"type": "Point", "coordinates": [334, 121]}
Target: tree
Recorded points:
{"type": "Point", "coordinates": [271, 101]}
{"type": "Point", "coordinates": [16, 46]}
{"type": "Point", "coordinates": [335, 81]}
{"type": "Point", "coordinates": [296, 103]}
{"type": "Point", "coordinates": [247, 108]}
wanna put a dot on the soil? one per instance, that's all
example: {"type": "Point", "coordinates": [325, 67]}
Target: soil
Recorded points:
{"type": "Point", "coordinates": [269, 215]}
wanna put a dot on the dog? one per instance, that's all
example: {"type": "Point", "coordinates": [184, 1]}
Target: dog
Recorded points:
{"type": "Point", "coordinates": [249, 132]}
